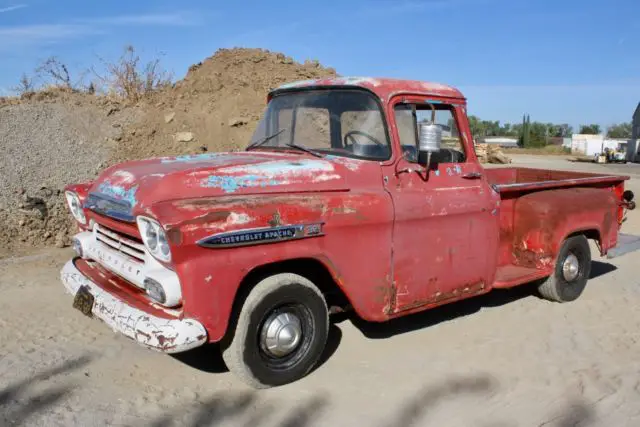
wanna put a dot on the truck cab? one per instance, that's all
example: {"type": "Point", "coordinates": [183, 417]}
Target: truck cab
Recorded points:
{"type": "Point", "coordinates": [354, 193]}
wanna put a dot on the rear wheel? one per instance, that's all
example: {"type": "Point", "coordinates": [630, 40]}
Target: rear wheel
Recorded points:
{"type": "Point", "coordinates": [571, 273]}
{"type": "Point", "coordinates": [280, 332]}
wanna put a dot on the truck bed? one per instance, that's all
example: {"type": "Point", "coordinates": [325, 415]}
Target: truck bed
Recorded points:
{"type": "Point", "coordinates": [540, 207]}
{"type": "Point", "coordinates": [508, 180]}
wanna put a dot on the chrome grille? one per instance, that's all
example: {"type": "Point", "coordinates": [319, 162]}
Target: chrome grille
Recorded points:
{"type": "Point", "coordinates": [120, 243]}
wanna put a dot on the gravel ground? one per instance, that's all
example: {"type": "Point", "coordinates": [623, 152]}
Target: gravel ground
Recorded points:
{"type": "Point", "coordinates": [505, 359]}
{"type": "Point", "coordinates": [44, 146]}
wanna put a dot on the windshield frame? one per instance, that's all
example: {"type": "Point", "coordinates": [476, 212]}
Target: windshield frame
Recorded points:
{"type": "Point", "coordinates": [342, 88]}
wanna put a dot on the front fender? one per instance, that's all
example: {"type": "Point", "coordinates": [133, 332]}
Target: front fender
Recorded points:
{"type": "Point", "coordinates": [354, 244]}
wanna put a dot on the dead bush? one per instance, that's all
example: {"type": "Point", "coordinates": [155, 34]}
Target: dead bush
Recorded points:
{"type": "Point", "coordinates": [131, 79]}
{"type": "Point", "coordinates": [56, 72]}
{"type": "Point", "coordinates": [25, 86]}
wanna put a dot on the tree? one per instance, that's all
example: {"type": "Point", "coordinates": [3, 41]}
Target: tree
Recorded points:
{"type": "Point", "coordinates": [538, 136]}
{"type": "Point", "coordinates": [525, 135]}
{"type": "Point", "coordinates": [620, 130]}
{"type": "Point", "coordinates": [592, 129]}
{"type": "Point", "coordinates": [566, 130]}
{"type": "Point", "coordinates": [476, 127]}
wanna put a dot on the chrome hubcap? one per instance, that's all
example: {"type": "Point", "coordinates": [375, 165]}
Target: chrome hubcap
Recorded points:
{"type": "Point", "coordinates": [281, 334]}
{"type": "Point", "coordinates": [570, 267]}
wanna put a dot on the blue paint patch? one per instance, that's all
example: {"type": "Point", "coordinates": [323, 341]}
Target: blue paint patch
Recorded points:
{"type": "Point", "coordinates": [433, 101]}
{"type": "Point", "coordinates": [118, 192]}
{"type": "Point", "coordinates": [230, 184]}
{"type": "Point", "coordinates": [282, 167]}
{"type": "Point", "coordinates": [437, 173]}
{"type": "Point", "coordinates": [458, 169]}
{"type": "Point", "coordinates": [190, 158]}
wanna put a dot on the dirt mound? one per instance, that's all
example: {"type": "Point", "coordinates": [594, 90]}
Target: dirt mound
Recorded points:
{"type": "Point", "coordinates": [54, 137]}
{"type": "Point", "coordinates": [48, 140]}
{"type": "Point", "coordinates": [216, 106]}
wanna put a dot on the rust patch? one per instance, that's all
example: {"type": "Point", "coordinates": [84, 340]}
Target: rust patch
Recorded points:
{"type": "Point", "coordinates": [439, 297]}
{"type": "Point", "coordinates": [216, 216]}
{"type": "Point", "coordinates": [530, 259]}
{"type": "Point", "coordinates": [275, 220]}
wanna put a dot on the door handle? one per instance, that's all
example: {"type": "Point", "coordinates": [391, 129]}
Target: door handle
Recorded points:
{"type": "Point", "coordinates": [472, 175]}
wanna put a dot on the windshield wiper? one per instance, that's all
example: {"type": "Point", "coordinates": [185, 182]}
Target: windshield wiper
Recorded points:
{"type": "Point", "coordinates": [263, 140]}
{"type": "Point", "coordinates": [305, 149]}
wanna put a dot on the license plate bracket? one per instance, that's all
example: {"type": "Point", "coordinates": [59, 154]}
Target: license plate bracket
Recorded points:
{"type": "Point", "coordinates": [84, 301]}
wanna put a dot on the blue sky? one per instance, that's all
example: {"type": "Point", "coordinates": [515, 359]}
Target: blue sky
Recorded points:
{"type": "Point", "coordinates": [574, 61]}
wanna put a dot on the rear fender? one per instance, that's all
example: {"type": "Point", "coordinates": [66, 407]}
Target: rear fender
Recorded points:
{"type": "Point", "coordinates": [543, 220]}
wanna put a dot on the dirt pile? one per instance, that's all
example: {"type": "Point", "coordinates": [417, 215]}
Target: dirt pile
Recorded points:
{"type": "Point", "coordinates": [55, 137]}
{"type": "Point", "coordinates": [489, 153]}
{"type": "Point", "coordinates": [47, 140]}
{"type": "Point", "coordinates": [216, 106]}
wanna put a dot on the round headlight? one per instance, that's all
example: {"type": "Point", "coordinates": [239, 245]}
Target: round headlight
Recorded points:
{"type": "Point", "coordinates": [151, 237]}
{"type": "Point", "coordinates": [73, 201]}
{"type": "Point", "coordinates": [154, 238]}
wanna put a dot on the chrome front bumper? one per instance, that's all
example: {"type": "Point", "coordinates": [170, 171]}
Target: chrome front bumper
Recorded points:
{"type": "Point", "coordinates": [162, 334]}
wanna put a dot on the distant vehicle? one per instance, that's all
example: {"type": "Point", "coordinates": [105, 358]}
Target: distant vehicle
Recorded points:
{"type": "Point", "coordinates": [346, 199]}
{"type": "Point", "coordinates": [611, 156]}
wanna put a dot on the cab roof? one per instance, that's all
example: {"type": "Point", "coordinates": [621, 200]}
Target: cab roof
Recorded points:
{"type": "Point", "coordinates": [383, 87]}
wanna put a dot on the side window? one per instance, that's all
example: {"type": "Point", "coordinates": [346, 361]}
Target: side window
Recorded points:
{"type": "Point", "coordinates": [452, 147]}
{"type": "Point", "coordinates": [312, 127]}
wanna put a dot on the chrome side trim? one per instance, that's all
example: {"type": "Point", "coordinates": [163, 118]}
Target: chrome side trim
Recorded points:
{"type": "Point", "coordinates": [264, 235]}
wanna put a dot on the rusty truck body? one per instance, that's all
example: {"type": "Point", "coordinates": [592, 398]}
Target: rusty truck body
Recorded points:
{"type": "Point", "coordinates": [355, 193]}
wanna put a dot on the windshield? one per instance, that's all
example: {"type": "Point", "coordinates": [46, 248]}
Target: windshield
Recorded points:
{"type": "Point", "coordinates": [334, 121]}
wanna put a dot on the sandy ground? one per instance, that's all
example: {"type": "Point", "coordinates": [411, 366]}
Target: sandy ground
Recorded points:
{"type": "Point", "coordinates": [504, 359]}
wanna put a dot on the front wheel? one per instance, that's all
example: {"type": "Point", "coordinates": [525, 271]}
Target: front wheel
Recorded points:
{"type": "Point", "coordinates": [571, 273]}
{"type": "Point", "coordinates": [280, 332]}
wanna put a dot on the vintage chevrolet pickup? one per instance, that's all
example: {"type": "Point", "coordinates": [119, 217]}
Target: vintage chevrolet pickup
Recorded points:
{"type": "Point", "coordinates": [355, 194]}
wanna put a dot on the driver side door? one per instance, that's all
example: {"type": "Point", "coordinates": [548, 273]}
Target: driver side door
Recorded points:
{"type": "Point", "coordinates": [445, 234]}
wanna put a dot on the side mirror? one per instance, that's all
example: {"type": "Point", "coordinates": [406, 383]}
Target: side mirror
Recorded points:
{"type": "Point", "coordinates": [429, 142]}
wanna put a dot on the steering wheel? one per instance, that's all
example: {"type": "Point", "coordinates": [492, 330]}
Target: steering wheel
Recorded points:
{"type": "Point", "coordinates": [357, 132]}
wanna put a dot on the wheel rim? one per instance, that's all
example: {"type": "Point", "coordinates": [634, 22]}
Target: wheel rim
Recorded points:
{"type": "Point", "coordinates": [571, 267]}
{"type": "Point", "coordinates": [281, 334]}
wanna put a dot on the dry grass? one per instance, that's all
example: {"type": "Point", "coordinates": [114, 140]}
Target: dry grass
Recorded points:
{"type": "Point", "coordinates": [128, 78]}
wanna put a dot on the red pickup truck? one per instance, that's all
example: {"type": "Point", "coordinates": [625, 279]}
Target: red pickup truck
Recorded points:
{"type": "Point", "coordinates": [355, 193]}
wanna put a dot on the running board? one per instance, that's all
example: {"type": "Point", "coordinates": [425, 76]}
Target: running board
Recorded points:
{"type": "Point", "coordinates": [626, 243]}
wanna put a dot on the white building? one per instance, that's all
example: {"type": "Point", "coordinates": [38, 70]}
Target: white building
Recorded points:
{"type": "Point", "coordinates": [590, 145]}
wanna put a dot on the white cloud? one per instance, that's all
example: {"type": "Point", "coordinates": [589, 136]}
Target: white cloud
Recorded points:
{"type": "Point", "coordinates": [45, 32]}
{"type": "Point", "coordinates": [17, 37]}
{"type": "Point", "coordinates": [158, 19]}
{"type": "Point", "coordinates": [12, 8]}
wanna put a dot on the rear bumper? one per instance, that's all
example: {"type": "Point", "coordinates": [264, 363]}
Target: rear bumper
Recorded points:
{"type": "Point", "coordinates": [626, 243]}
{"type": "Point", "coordinates": [168, 335]}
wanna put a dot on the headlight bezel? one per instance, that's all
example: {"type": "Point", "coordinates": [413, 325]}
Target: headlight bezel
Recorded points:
{"type": "Point", "coordinates": [75, 206]}
{"type": "Point", "coordinates": [161, 240]}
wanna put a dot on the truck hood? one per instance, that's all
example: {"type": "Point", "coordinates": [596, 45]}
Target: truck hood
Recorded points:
{"type": "Point", "coordinates": [133, 187]}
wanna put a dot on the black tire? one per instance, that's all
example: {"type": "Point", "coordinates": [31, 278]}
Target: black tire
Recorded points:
{"type": "Point", "coordinates": [556, 287]}
{"type": "Point", "coordinates": [242, 350]}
